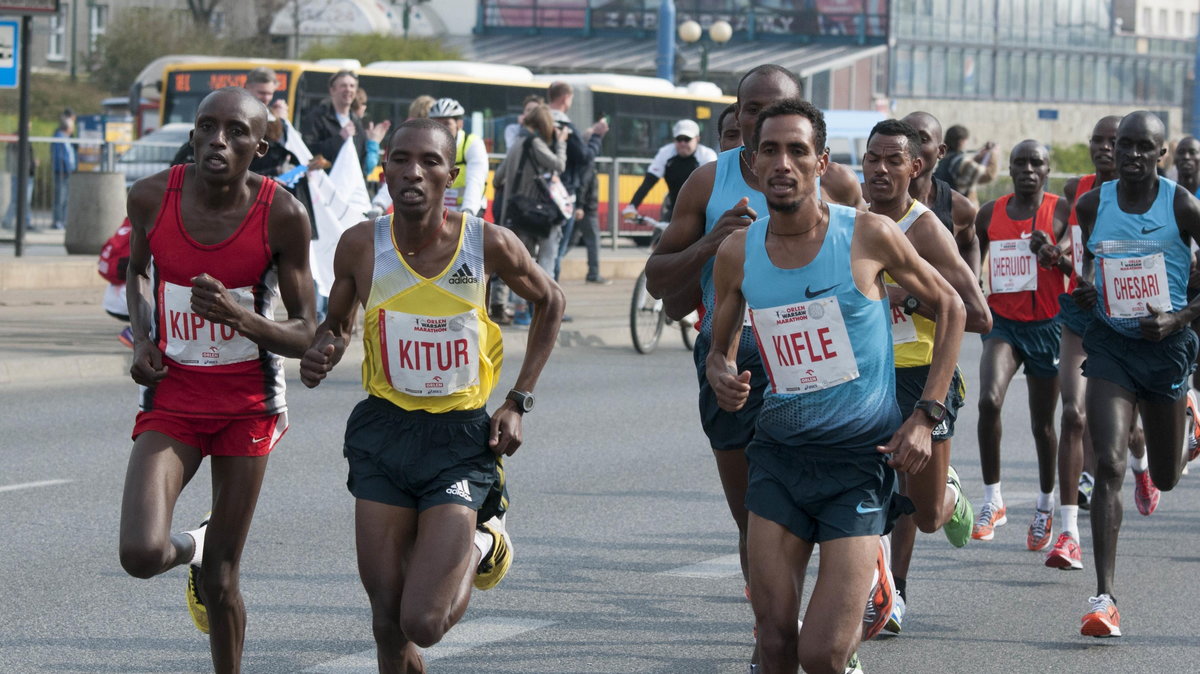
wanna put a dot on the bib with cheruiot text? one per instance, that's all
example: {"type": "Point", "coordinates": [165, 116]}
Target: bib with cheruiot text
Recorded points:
{"type": "Point", "coordinates": [1014, 268]}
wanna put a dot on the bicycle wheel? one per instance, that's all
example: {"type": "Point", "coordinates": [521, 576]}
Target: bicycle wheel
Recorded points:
{"type": "Point", "coordinates": [646, 317]}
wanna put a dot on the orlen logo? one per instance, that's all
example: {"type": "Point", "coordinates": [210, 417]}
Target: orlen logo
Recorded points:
{"type": "Point", "coordinates": [435, 384]}
{"type": "Point", "coordinates": [214, 352]}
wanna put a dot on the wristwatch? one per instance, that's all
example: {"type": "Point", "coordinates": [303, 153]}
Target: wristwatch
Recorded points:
{"type": "Point", "coordinates": [933, 408]}
{"type": "Point", "coordinates": [910, 304]}
{"type": "Point", "coordinates": [523, 400]}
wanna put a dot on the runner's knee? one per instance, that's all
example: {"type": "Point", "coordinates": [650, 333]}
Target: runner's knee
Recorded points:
{"type": "Point", "coordinates": [989, 404]}
{"type": "Point", "coordinates": [144, 559]}
{"type": "Point", "coordinates": [424, 628]}
{"type": "Point", "coordinates": [823, 657]}
{"type": "Point", "coordinates": [1073, 418]}
{"type": "Point", "coordinates": [220, 585]}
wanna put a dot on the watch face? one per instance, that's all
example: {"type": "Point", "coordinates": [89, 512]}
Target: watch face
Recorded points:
{"type": "Point", "coordinates": [527, 403]}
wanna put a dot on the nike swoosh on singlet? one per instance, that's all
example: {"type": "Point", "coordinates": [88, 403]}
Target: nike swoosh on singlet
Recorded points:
{"type": "Point", "coordinates": [808, 291]}
{"type": "Point", "coordinates": [1151, 230]}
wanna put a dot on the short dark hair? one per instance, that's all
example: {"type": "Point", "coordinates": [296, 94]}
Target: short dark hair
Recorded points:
{"type": "Point", "coordinates": [557, 90]}
{"type": "Point", "coordinates": [794, 106]}
{"type": "Point", "coordinates": [896, 127]}
{"type": "Point", "coordinates": [729, 110]}
{"type": "Point", "coordinates": [339, 75]}
{"type": "Point", "coordinates": [956, 136]}
{"type": "Point", "coordinates": [771, 68]}
{"type": "Point", "coordinates": [532, 98]}
{"type": "Point", "coordinates": [422, 123]}
{"type": "Point", "coordinates": [262, 75]}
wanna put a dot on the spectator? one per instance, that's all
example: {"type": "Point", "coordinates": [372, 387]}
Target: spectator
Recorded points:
{"type": "Point", "coordinates": [420, 106]}
{"type": "Point", "coordinates": [674, 162]}
{"type": "Point", "coordinates": [963, 172]}
{"type": "Point", "coordinates": [62, 159]}
{"type": "Point", "coordinates": [587, 207]}
{"type": "Point", "coordinates": [465, 194]}
{"type": "Point", "coordinates": [546, 149]}
{"type": "Point", "coordinates": [513, 132]}
{"type": "Point", "coordinates": [580, 154]}
{"type": "Point", "coordinates": [11, 156]}
{"type": "Point", "coordinates": [375, 132]}
{"type": "Point", "coordinates": [326, 127]}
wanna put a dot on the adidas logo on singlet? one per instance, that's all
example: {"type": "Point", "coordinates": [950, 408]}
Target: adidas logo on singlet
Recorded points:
{"type": "Point", "coordinates": [463, 275]}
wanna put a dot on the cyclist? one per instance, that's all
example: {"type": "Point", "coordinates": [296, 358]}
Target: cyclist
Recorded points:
{"type": "Point", "coordinates": [674, 162]}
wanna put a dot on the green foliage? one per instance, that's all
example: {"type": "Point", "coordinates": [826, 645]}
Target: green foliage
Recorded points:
{"type": "Point", "coordinates": [377, 47]}
{"type": "Point", "coordinates": [1074, 159]}
{"type": "Point", "coordinates": [48, 95]}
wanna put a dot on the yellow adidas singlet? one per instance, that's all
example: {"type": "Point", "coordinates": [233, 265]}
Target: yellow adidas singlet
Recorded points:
{"type": "Point", "coordinates": [912, 336]}
{"type": "Point", "coordinates": [429, 342]}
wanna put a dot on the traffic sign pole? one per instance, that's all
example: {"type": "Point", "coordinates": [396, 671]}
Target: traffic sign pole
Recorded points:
{"type": "Point", "coordinates": [23, 141]}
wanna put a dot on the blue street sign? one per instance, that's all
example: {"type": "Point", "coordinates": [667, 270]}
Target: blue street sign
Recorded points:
{"type": "Point", "coordinates": [1048, 113]}
{"type": "Point", "coordinates": [10, 48]}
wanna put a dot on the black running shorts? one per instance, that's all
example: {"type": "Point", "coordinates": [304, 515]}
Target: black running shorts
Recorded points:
{"type": "Point", "coordinates": [910, 382]}
{"type": "Point", "coordinates": [1156, 372]}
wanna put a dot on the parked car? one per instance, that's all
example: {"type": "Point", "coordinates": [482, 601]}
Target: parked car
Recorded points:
{"type": "Point", "coordinates": [152, 152]}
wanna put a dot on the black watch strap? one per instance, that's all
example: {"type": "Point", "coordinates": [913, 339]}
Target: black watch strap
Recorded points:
{"type": "Point", "coordinates": [934, 409]}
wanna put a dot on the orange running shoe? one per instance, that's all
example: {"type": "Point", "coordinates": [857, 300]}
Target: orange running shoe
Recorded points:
{"type": "Point", "coordinates": [1103, 620]}
{"type": "Point", "coordinates": [1065, 554]}
{"type": "Point", "coordinates": [1145, 494]}
{"type": "Point", "coordinates": [1191, 434]}
{"type": "Point", "coordinates": [883, 592]}
{"type": "Point", "coordinates": [990, 517]}
{"type": "Point", "coordinates": [1039, 530]}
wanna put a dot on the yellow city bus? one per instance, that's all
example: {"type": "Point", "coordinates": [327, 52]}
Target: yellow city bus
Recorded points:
{"type": "Point", "coordinates": [640, 111]}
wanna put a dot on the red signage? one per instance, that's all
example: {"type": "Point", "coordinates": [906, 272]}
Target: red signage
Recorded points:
{"type": "Point", "coordinates": [29, 7]}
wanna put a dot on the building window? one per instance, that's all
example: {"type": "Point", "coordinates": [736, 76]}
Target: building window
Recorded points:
{"type": "Point", "coordinates": [1147, 26]}
{"type": "Point", "coordinates": [56, 49]}
{"type": "Point", "coordinates": [1163, 28]}
{"type": "Point", "coordinates": [97, 22]}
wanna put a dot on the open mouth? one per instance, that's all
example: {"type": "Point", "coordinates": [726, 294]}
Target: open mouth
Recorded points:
{"type": "Point", "coordinates": [411, 195]}
{"type": "Point", "coordinates": [215, 162]}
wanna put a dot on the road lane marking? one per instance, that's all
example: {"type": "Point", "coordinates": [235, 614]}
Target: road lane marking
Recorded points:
{"type": "Point", "coordinates": [462, 638]}
{"type": "Point", "coordinates": [717, 567]}
{"type": "Point", "coordinates": [34, 485]}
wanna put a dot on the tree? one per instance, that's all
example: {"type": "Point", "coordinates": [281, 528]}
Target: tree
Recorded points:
{"type": "Point", "coordinates": [202, 11]}
{"type": "Point", "coordinates": [141, 36]}
{"type": "Point", "coordinates": [371, 47]}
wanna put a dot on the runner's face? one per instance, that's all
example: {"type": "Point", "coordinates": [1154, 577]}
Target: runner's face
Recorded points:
{"type": "Point", "coordinates": [228, 134]}
{"type": "Point", "coordinates": [1102, 144]}
{"type": "Point", "coordinates": [418, 171]}
{"type": "Point", "coordinates": [788, 162]}
{"type": "Point", "coordinates": [758, 93]}
{"type": "Point", "coordinates": [1187, 157]}
{"type": "Point", "coordinates": [887, 168]}
{"type": "Point", "coordinates": [1029, 167]}
{"type": "Point", "coordinates": [932, 148]}
{"type": "Point", "coordinates": [731, 133]}
{"type": "Point", "coordinates": [263, 91]}
{"type": "Point", "coordinates": [1138, 149]}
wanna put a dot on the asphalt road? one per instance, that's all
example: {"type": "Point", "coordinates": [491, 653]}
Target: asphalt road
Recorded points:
{"type": "Point", "coordinates": [622, 544]}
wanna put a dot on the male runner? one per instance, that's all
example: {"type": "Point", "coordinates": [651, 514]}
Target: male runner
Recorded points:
{"type": "Point", "coordinates": [955, 210]}
{"type": "Point", "coordinates": [819, 468]}
{"type": "Point", "coordinates": [729, 133]}
{"type": "Point", "coordinates": [891, 160]}
{"type": "Point", "coordinates": [212, 246]}
{"type": "Point", "coordinates": [1140, 349]}
{"type": "Point", "coordinates": [1024, 301]}
{"type": "Point", "coordinates": [1187, 166]}
{"type": "Point", "coordinates": [424, 455]}
{"type": "Point", "coordinates": [719, 198]}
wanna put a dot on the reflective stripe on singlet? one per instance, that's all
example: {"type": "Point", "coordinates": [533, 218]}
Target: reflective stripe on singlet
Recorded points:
{"type": "Point", "coordinates": [821, 337]}
{"type": "Point", "coordinates": [1153, 236]}
{"type": "Point", "coordinates": [1026, 305]}
{"type": "Point", "coordinates": [429, 342]}
{"type": "Point", "coordinates": [212, 370]}
{"type": "Point", "coordinates": [912, 335]}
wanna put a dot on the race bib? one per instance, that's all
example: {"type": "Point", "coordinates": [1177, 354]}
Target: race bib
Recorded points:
{"type": "Point", "coordinates": [1077, 249]}
{"type": "Point", "coordinates": [904, 329]}
{"type": "Point", "coordinates": [1014, 268]}
{"type": "Point", "coordinates": [191, 339]}
{"type": "Point", "coordinates": [450, 198]}
{"type": "Point", "coordinates": [429, 355]}
{"type": "Point", "coordinates": [805, 346]}
{"type": "Point", "coordinates": [1134, 284]}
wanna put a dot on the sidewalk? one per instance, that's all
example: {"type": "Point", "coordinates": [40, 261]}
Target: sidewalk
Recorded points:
{"type": "Point", "coordinates": [52, 326]}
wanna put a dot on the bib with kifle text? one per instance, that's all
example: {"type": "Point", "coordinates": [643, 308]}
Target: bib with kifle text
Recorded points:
{"type": "Point", "coordinates": [191, 339]}
{"type": "Point", "coordinates": [1132, 285]}
{"type": "Point", "coordinates": [429, 355]}
{"type": "Point", "coordinates": [1013, 266]}
{"type": "Point", "coordinates": [805, 346]}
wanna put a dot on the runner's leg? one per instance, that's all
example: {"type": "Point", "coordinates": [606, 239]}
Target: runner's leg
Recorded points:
{"type": "Point", "coordinates": [777, 563]}
{"type": "Point", "coordinates": [1043, 403]}
{"type": "Point", "coordinates": [159, 467]}
{"type": "Point", "coordinates": [1163, 425]}
{"type": "Point", "coordinates": [385, 536]}
{"type": "Point", "coordinates": [843, 583]}
{"type": "Point", "coordinates": [927, 489]}
{"type": "Point", "coordinates": [1074, 422]}
{"type": "Point", "coordinates": [1110, 409]}
{"type": "Point", "coordinates": [732, 469]}
{"type": "Point", "coordinates": [997, 366]}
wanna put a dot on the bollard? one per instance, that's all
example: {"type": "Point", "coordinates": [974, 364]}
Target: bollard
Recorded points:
{"type": "Point", "coordinates": [95, 208]}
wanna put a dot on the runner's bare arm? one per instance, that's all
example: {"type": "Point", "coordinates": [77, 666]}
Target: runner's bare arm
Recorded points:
{"type": "Point", "coordinates": [935, 244]}
{"type": "Point", "coordinates": [877, 238]}
{"type": "Point", "coordinates": [1069, 189]}
{"type": "Point", "coordinates": [505, 255]}
{"type": "Point", "coordinates": [731, 387]}
{"type": "Point", "coordinates": [1160, 324]}
{"type": "Point", "coordinates": [963, 213]}
{"type": "Point", "coordinates": [842, 187]}
{"type": "Point", "coordinates": [1051, 254]}
{"type": "Point", "coordinates": [145, 198]}
{"type": "Point", "coordinates": [353, 266]}
{"type": "Point", "coordinates": [1085, 212]}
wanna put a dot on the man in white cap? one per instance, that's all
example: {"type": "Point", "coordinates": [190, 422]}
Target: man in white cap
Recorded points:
{"type": "Point", "coordinates": [674, 162]}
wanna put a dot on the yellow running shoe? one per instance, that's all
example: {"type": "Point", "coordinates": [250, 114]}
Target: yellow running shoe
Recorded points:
{"type": "Point", "coordinates": [195, 604]}
{"type": "Point", "coordinates": [495, 564]}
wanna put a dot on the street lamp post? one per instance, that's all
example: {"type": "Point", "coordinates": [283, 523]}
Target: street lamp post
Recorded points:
{"type": "Point", "coordinates": [718, 33]}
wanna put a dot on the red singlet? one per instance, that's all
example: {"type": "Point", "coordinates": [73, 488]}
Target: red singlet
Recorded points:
{"type": "Point", "coordinates": [1086, 183]}
{"type": "Point", "coordinates": [212, 370]}
{"type": "Point", "coordinates": [1030, 305]}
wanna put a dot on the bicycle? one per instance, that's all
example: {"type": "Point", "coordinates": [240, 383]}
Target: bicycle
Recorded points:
{"type": "Point", "coordinates": [646, 316]}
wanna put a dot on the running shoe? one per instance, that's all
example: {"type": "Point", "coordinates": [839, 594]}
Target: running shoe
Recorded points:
{"type": "Point", "coordinates": [1103, 620]}
{"type": "Point", "coordinates": [855, 665]}
{"type": "Point", "coordinates": [495, 564]}
{"type": "Point", "coordinates": [883, 595]}
{"type": "Point", "coordinates": [897, 616]}
{"type": "Point", "coordinates": [990, 517]}
{"type": "Point", "coordinates": [958, 529]}
{"type": "Point", "coordinates": [126, 337]}
{"type": "Point", "coordinates": [1065, 554]}
{"type": "Point", "coordinates": [1145, 494]}
{"type": "Point", "coordinates": [1039, 530]}
{"type": "Point", "coordinates": [195, 604]}
{"type": "Point", "coordinates": [1192, 429]}
{"type": "Point", "coordinates": [1086, 486]}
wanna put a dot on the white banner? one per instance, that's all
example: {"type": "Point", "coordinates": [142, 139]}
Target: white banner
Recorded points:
{"type": "Point", "coordinates": [339, 201]}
